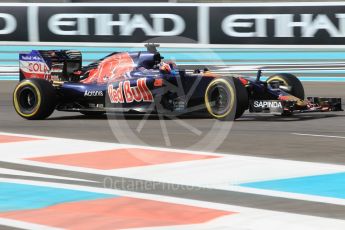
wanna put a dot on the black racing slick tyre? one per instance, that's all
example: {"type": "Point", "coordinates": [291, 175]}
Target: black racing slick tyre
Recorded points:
{"type": "Point", "coordinates": [226, 98]}
{"type": "Point", "coordinates": [34, 99]}
{"type": "Point", "coordinates": [242, 98]}
{"type": "Point", "coordinates": [289, 80]}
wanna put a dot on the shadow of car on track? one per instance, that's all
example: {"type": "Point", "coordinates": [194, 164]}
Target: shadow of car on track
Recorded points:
{"type": "Point", "coordinates": [245, 118]}
{"type": "Point", "coordinates": [296, 117]}
{"type": "Point", "coordinates": [127, 117]}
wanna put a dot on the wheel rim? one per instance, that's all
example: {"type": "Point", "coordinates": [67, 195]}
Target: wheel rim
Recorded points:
{"type": "Point", "coordinates": [281, 81]}
{"type": "Point", "coordinates": [27, 98]}
{"type": "Point", "coordinates": [219, 98]}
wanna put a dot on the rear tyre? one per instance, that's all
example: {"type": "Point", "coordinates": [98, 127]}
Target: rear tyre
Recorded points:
{"type": "Point", "coordinates": [291, 81]}
{"type": "Point", "coordinates": [221, 97]}
{"type": "Point", "coordinates": [34, 99]}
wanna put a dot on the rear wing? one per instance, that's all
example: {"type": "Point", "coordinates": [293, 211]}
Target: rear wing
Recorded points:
{"type": "Point", "coordinates": [49, 64]}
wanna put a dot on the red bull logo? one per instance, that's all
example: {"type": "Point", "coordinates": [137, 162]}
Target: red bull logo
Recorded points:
{"type": "Point", "coordinates": [125, 93]}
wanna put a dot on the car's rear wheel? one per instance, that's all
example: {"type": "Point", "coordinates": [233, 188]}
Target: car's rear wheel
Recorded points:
{"type": "Point", "coordinates": [226, 98]}
{"type": "Point", "coordinates": [34, 99]}
{"type": "Point", "coordinates": [291, 82]}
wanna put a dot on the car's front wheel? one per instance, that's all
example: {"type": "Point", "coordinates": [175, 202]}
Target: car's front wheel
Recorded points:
{"type": "Point", "coordinates": [226, 98]}
{"type": "Point", "coordinates": [291, 82]}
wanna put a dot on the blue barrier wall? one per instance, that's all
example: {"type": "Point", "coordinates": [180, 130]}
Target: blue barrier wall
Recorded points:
{"type": "Point", "coordinates": [202, 56]}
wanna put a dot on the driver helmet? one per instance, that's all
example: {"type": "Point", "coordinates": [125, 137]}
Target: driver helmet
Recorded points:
{"type": "Point", "coordinates": [164, 67]}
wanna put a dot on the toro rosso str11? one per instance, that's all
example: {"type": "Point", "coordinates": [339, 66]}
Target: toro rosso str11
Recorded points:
{"type": "Point", "coordinates": [129, 82]}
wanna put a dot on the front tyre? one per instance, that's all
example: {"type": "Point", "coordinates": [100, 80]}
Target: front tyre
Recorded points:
{"type": "Point", "coordinates": [34, 99]}
{"type": "Point", "coordinates": [221, 99]}
{"type": "Point", "coordinates": [291, 81]}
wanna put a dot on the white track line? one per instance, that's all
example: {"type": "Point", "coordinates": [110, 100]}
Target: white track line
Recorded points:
{"type": "Point", "coordinates": [33, 174]}
{"type": "Point", "coordinates": [317, 135]}
{"type": "Point", "coordinates": [25, 225]}
{"type": "Point", "coordinates": [224, 172]}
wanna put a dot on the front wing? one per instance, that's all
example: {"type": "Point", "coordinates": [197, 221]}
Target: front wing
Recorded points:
{"type": "Point", "coordinates": [312, 104]}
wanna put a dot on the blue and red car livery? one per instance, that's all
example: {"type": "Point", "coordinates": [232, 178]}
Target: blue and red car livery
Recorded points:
{"type": "Point", "coordinates": [142, 82]}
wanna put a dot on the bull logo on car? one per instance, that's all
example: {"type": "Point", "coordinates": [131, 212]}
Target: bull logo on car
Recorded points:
{"type": "Point", "coordinates": [125, 93]}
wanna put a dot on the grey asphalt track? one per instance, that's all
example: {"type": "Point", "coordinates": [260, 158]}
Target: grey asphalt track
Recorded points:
{"type": "Point", "coordinates": [263, 136]}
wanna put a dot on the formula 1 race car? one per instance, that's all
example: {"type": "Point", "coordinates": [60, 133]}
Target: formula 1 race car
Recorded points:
{"type": "Point", "coordinates": [141, 82]}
